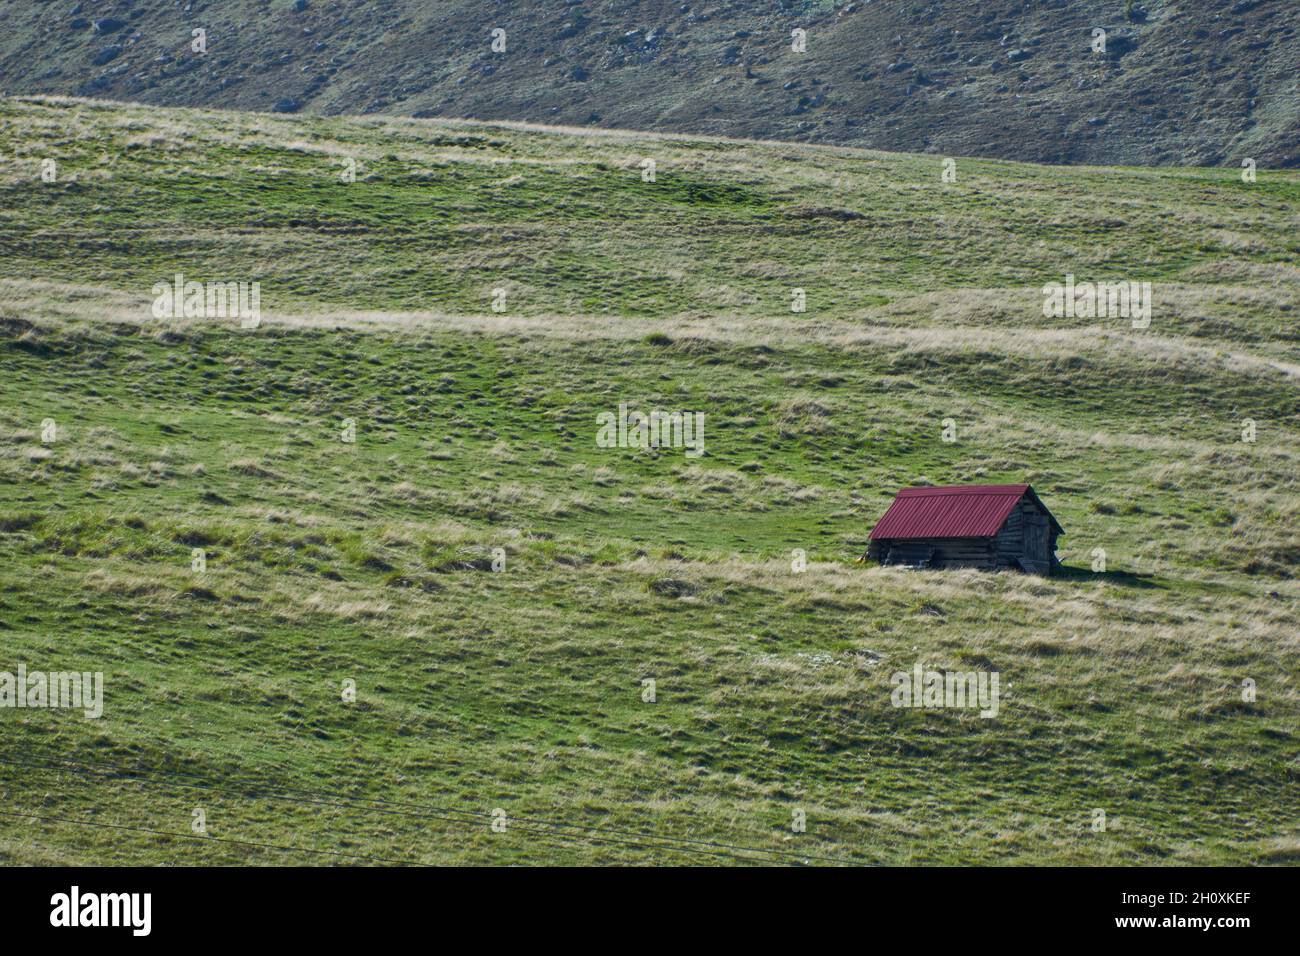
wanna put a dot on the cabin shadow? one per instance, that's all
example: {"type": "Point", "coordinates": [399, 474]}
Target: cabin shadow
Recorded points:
{"type": "Point", "coordinates": [1128, 579]}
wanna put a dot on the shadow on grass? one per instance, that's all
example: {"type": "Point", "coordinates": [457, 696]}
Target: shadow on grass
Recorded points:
{"type": "Point", "coordinates": [1129, 579]}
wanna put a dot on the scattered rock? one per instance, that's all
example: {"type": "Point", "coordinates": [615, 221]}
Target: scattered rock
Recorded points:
{"type": "Point", "coordinates": [672, 587]}
{"type": "Point", "coordinates": [1118, 45]}
{"type": "Point", "coordinates": [572, 29]}
{"type": "Point", "coordinates": [108, 25]}
{"type": "Point", "coordinates": [286, 105]}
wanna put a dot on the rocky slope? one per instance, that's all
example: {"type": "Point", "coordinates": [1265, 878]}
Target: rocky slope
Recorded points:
{"type": "Point", "coordinates": [1206, 83]}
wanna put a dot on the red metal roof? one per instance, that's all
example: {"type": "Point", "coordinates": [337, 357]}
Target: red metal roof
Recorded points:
{"type": "Point", "coordinates": [966, 511]}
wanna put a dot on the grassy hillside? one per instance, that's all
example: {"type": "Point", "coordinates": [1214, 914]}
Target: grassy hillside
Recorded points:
{"type": "Point", "coordinates": [370, 561]}
{"type": "Point", "coordinates": [1207, 83]}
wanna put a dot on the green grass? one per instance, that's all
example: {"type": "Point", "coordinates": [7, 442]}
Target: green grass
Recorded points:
{"type": "Point", "coordinates": [369, 561]}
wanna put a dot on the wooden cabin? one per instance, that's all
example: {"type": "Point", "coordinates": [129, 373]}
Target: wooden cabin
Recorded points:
{"type": "Point", "coordinates": [969, 526]}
